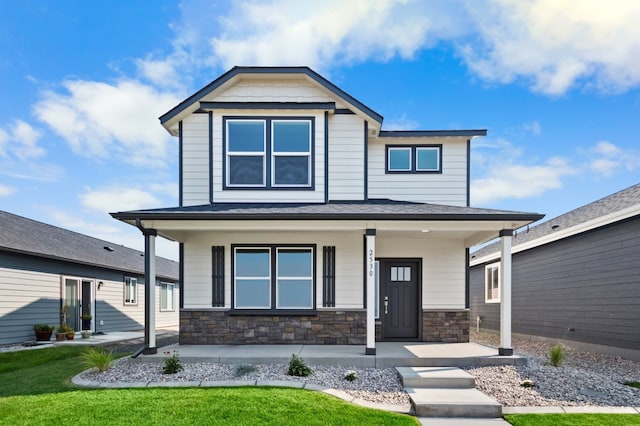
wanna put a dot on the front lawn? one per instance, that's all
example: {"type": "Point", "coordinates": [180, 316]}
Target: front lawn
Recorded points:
{"type": "Point", "coordinates": [35, 388]}
{"type": "Point", "coordinates": [573, 419]}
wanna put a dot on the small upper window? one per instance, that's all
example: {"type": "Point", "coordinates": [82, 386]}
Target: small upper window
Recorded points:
{"type": "Point", "coordinates": [130, 291]}
{"type": "Point", "coordinates": [492, 283]}
{"type": "Point", "coordinates": [414, 159]}
{"type": "Point", "coordinates": [246, 153]}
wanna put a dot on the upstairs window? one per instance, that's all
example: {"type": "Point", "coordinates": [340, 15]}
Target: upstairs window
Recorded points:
{"type": "Point", "coordinates": [492, 283]}
{"type": "Point", "coordinates": [265, 153]}
{"type": "Point", "coordinates": [414, 159]}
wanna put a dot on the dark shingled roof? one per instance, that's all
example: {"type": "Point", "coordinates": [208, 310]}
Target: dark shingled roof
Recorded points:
{"type": "Point", "coordinates": [336, 210]}
{"type": "Point", "coordinates": [21, 235]}
{"type": "Point", "coordinates": [604, 206]}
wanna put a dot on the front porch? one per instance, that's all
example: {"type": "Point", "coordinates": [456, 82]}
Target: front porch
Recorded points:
{"type": "Point", "coordinates": [388, 355]}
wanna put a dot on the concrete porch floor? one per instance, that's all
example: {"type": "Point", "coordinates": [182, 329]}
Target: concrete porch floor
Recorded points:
{"type": "Point", "coordinates": [388, 354]}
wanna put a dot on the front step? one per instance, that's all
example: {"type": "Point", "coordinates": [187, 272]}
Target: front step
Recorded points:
{"type": "Point", "coordinates": [436, 377]}
{"type": "Point", "coordinates": [439, 402]}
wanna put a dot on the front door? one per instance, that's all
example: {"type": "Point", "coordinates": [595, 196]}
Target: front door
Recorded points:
{"type": "Point", "coordinates": [399, 303]}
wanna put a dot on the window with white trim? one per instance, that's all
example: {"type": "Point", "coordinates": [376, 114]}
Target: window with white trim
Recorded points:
{"type": "Point", "coordinates": [167, 291]}
{"type": "Point", "coordinates": [273, 278]}
{"type": "Point", "coordinates": [264, 153]}
{"type": "Point", "coordinates": [130, 291]}
{"type": "Point", "coordinates": [492, 283]}
{"type": "Point", "coordinates": [413, 159]}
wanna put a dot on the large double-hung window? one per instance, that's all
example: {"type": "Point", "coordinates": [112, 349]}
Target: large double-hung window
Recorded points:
{"type": "Point", "coordinates": [273, 277]}
{"type": "Point", "coordinates": [268, 153]}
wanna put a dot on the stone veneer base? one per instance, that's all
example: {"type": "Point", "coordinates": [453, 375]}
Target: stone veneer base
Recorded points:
{"type": "Point", "coordinates": [327, 327]}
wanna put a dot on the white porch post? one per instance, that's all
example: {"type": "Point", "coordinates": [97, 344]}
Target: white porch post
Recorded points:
{"type": "Point", "coordinates": [370, 236]}
{"type": "Point", "coordinates": [505, 293]}
{"type": "Point", "coordinates": [150, 291]}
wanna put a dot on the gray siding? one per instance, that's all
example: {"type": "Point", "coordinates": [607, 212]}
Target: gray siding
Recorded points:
{"type": "Point", "coordinates": [30, 293]}
{"type": "Point", "coordinates": [589, 283]}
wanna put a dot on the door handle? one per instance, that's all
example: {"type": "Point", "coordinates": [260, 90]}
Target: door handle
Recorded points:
{"type": "Point", "coordinates": [386, 305]}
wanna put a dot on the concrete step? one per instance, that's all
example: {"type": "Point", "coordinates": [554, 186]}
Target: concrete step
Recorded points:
{"type": "Point", "coordinates": [436, 377]}
{"type": "Point", "coordinates": [440, 402]}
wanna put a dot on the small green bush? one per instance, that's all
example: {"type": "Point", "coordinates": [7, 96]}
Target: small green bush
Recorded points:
{"type": "Point", "coordinates": [633, 384]}
{"type": "Point", "coordinates": [98, 358]}
{"type": "Point", "coordinates": [350, 376]}
{"type": "Point", "coordinates": [557, 355]}
{"type": "Point", "coordinates": [244, 369]}
{"type": "Point", "coordinates": [43, 327]}
{"type": "Point", "coordinates": [172, 364]}
{"type": "Point", "coordinates": [297, 367]}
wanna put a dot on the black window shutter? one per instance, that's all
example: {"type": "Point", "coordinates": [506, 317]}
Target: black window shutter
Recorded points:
{"type": "Point", "coordinates": [217, 276]}
{"type": "Point", "coordinates": [329, 276]}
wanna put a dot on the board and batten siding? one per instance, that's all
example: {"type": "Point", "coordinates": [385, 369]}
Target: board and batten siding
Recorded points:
{"type": "Point", "coordinates": [443, 272]}
{"type": "Point", "coordinates": [197, 263]}
{"type": "Point", "coordinates": [589, 282]}
{"type": "Point", "coordinates": [346, 157]}
{"type": "Point", "coordinates": [448, 187]}
{"type": "Point", "coordinates": [195, 160]}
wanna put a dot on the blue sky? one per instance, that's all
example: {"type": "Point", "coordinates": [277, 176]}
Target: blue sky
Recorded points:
{"type": "Point", "coordinates": [556, 84]}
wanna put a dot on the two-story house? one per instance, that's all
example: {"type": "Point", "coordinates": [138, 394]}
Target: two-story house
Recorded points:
{"type": "Point", "coordinates": [301, 221]}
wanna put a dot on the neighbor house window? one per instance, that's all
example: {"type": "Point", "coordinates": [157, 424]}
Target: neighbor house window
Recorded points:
{"type": "Point", "coordinates": [166, 296]}
{"type": "Point", "coordinates": [130, 291]}
{"type": "Point", "coordinates": [414, 158]}
{"type": "Point", "coordinates": [492, 283]}
{"type": "Point", "coordinates": [273, 277]}
{"type": "Point", "coordinates": [268, 153]}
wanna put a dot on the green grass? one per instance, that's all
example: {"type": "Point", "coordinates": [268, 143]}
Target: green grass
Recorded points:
{"type": "Point", "coordinates": [35, 388]}
{"type": "Point", "coordinates": [573, 419]}
{"type": "Point", "coordinates": [191, 406]}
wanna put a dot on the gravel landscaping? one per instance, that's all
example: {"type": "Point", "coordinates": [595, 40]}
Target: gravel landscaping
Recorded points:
{"type": "Point", "coordinates": [583, 379]}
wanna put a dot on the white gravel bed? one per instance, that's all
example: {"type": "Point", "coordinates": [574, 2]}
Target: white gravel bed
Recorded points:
{"type": "Point", "coordinates": [584, 378]}
{"type": "Point", "coordinates": [375, 385]}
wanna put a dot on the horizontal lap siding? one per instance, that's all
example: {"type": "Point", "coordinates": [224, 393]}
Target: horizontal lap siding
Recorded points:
{"type": "Point", "coordinates": [271, 195]}
{"type": "Point", "coordinates": [27, 298]}
{"type": "Point", "coordinates": [448, 187]}
{"type": "Point", "coordinates": [195, 160]}
{"type": "Point", "coordinates": [346, 157]}
{"type": "Point", "coordinates": [443, 266]}
{"type": "Point", "coordinates": [589, 282]}
{"type": "Point", "coordinates": [349, 266]}
{"type": "Point", "coordinates": [271, 90]}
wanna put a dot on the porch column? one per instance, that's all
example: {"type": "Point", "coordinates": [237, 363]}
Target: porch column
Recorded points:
{"type": "Point", "coordinates": [150, 291]}
{"type": "Point", "coordinates": [505, 292]}
{"type": "Point", "coordinates": [370, 236]}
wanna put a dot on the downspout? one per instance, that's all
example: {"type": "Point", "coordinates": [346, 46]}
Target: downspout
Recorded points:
{"type": "Point", "coordinates": [149, 293]}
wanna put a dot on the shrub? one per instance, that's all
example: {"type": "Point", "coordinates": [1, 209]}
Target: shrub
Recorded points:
{"type": "Point", "coordinates": [297, 367]}
{"type": "Point", "coordinates": [244, 369]}
{"type": "Point", "coordinates": [527, 383]}
{"type": "Point", "coordinates": [633, 384]}
{"type": "Point", "coordinates": [43, 327]}
{"type": "Point", "coordinates": [172, 364]}
{"type": "Point", "coordinates": [556, 355]}
{"type": "Point", "coordinates": [98, 358]}
{"type": "Point", "coordinates": [350, 376]}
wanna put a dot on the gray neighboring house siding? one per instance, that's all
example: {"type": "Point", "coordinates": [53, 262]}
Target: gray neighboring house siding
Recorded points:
{"type": "Point", "coordinates": [583, 288]}
{"type": "Point", "coordinates": [36, 257]}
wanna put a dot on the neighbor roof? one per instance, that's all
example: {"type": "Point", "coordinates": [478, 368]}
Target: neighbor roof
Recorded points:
{"type": "Point", "coordinates": [615, 207]}
{"type": "Point", "coordinates": [26, 236]}
{"type": "Point", "coordinates": [381, 209]}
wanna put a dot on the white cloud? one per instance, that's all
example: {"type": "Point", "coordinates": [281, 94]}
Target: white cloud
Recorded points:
{"type": "Point", "coordinates": [605, 159]}
{"type": "Point", "coordinates": [401, 123]}
{"type": "Point", "coordinates": [533, 127]}
{"type": "Point", "coordinates": [118, 198]}
{"type": "Point", "coordinates": [291, 32]}
{"type": "Point", "coordinates": [6, 190]}
{"type": "Point", "coordinates": [105, 120]}
{"type": "Point", "coordinates": [556, 44]}
{"type": "Point", "coordinates": [20, 139]}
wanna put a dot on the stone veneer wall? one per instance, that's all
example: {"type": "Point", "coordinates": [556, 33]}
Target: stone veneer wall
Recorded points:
{"type": "Point", "coordinates": [334, 327]}
{"type": "Point", "coordinates": [445, 326]}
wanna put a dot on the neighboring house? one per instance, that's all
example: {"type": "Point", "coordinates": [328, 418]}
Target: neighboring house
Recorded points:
{"type": "Point", "coordinates": [44, 268]}
{"type": "Point", "coordinates": [575, 277]}
{"type": "Point", "coordinates": [301, 221]}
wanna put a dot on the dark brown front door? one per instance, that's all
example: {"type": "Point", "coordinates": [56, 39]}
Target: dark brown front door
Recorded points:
{"type": "Point", "coordinates": [399, 299]}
